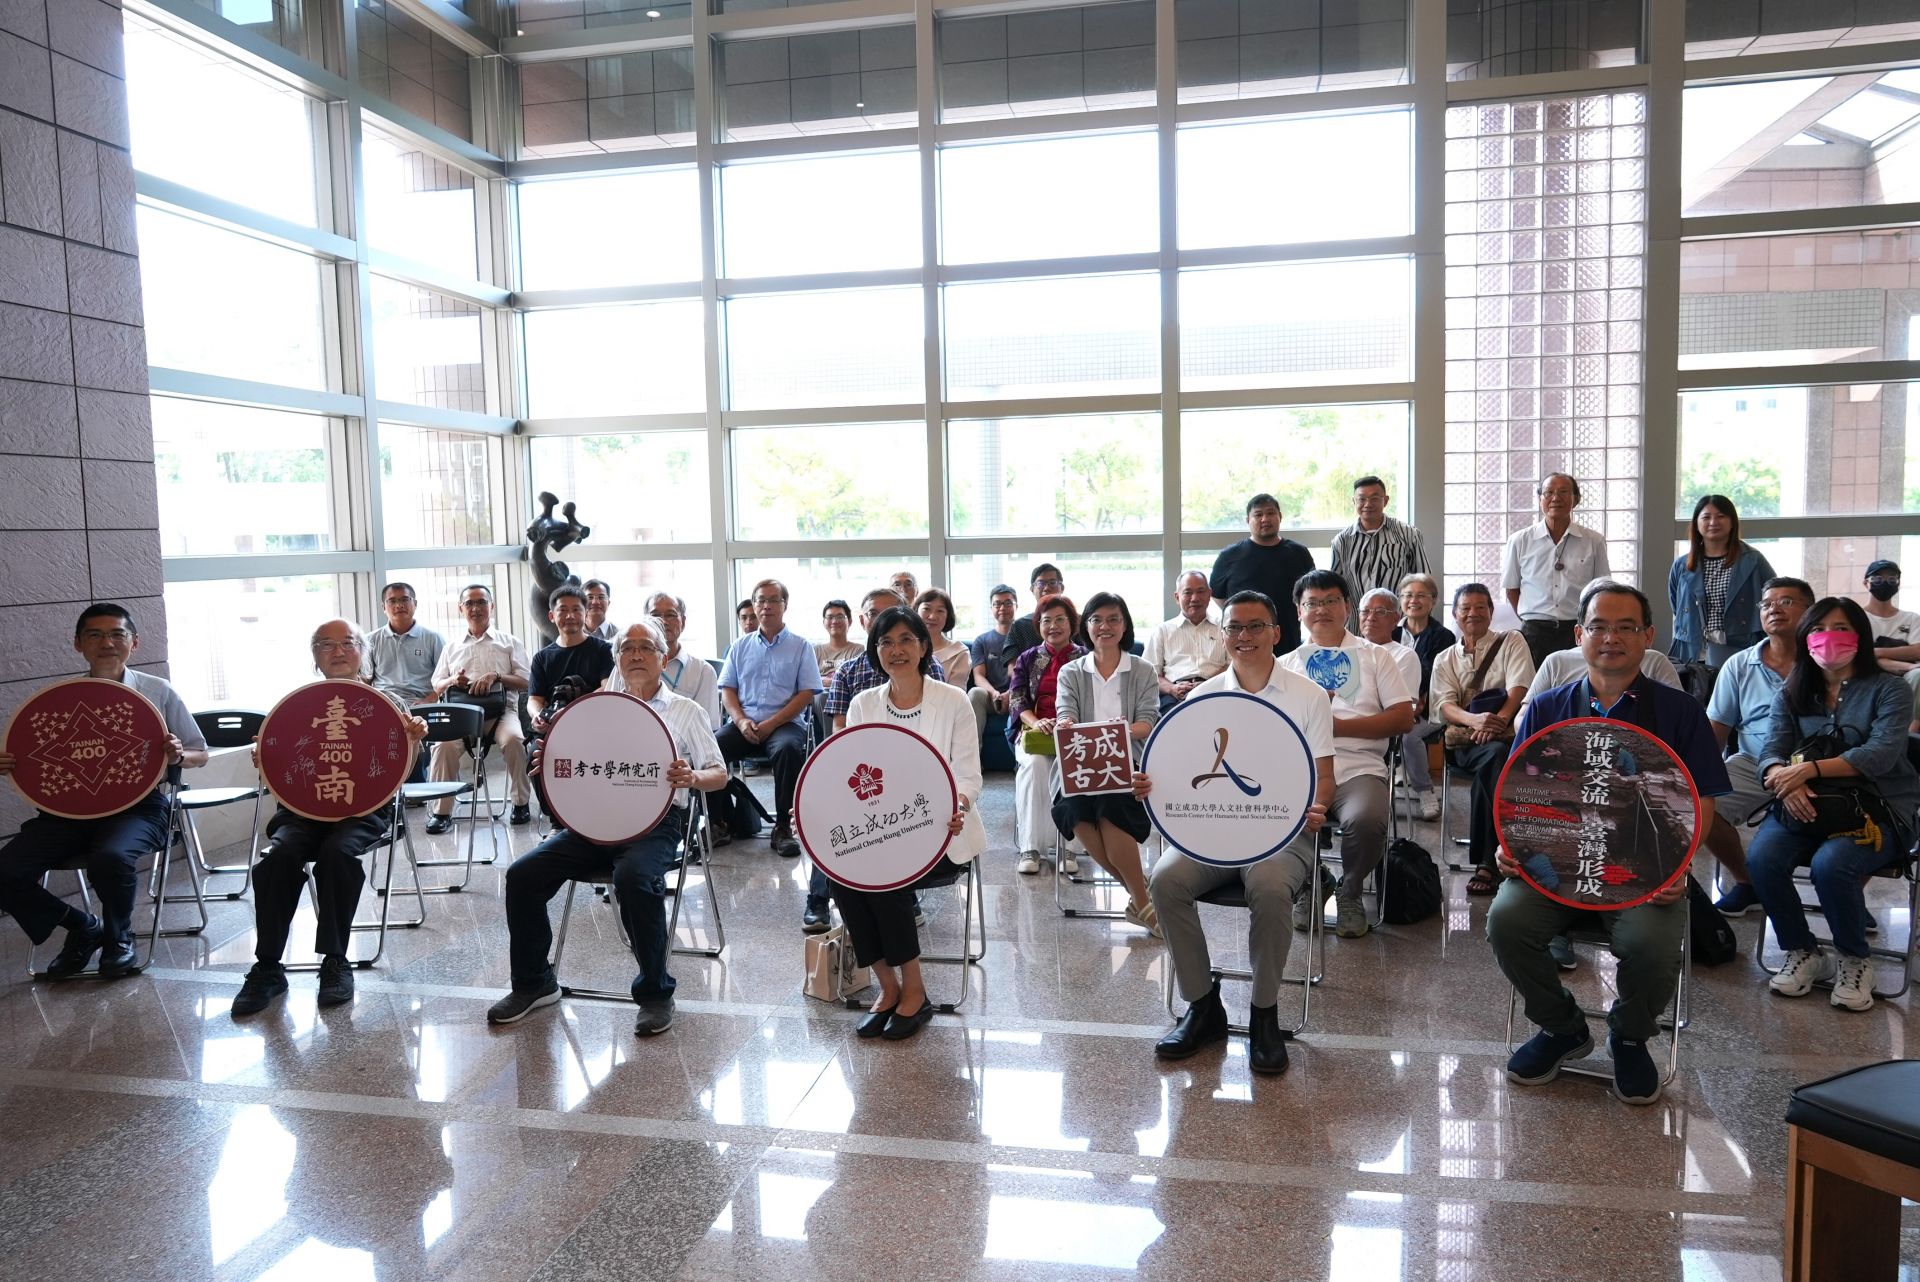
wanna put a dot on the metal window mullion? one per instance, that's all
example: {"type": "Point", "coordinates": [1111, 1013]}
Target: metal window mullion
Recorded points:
{"type": "Point", "coordinates": [1167, 125]}
{"type": "Point", "coordinates": [1825, 374]}
{"type": "Point", "coordinates": [927, 104]}
{"type": "Point", "coordinates": [706, 132]}
{"type": "Point", "coordinates": [1426, 462]}
{"type": "Point", "coordinates": [1660, 332]}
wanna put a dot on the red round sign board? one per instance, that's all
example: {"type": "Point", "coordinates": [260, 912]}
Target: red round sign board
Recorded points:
{"type": "Point", "coordinates": [604, 764]}
{"type": "Point", "coordinates": [872, 807]}
{"type": "Point", "coordinates": [87, 748]}
{"type": "Point", "coordinates": [1598, 813]}
{"type": "Point", "coordinates": [335, 749]}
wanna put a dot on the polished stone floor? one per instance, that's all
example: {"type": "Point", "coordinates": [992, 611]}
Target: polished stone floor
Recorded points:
{"type": "Point", "coordinates": [1032, 1135]}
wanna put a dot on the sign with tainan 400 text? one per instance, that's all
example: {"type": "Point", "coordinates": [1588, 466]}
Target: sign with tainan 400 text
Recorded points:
{"type": "Point", "coordinates": [872, 807]}
{"type": "Point", "coordinates": [1232, 778]}
{"type": "Point", "coordinates": [335, 749]}
{"type": "Point", "coordinates": [603, 765]}
{"type": "Point", "coordinates": [1598, 813]}
{"type": "Point", "coordinates": [87, 748]}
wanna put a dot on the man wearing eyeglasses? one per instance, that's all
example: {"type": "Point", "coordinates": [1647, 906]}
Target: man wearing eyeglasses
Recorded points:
{"type": "Point", "coordinates": [402, 654]}
{"type": "Point", "coordinates": [1271, 884]}
{"type": "Point", "coordinates": [489, 667]}
{"type": "Point", "coordinates": [1188, 648]}
{"type": "Point", "coordinates": [1046, 581]}
{"type": "Point", "coordinates": [639, 868]}
{"type": "Point", "coordinates": [1545, 566]}
{"type": "Point", "coordinates": [106, 637]}
{"type": "Point", "coordinates": [685, 673]}
{"type": "Point", "coordinates": [769, 682]}
{"type": "Point", "coordinates": [1376, 551]}
{"type": "Point", "coordinates": [1615, 629]}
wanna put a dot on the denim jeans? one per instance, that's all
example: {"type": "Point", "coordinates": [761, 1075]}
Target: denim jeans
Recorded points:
{"type": "Point", "coordinates": [639, 887]}
{"type": "Point", "coordinates": [1839, 868]}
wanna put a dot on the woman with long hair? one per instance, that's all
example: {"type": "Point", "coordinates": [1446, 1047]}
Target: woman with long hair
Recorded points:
{"type": "Point", "coordinates": [1714, 587]}
{"type": "Point", "coordinates": [1836, 749]}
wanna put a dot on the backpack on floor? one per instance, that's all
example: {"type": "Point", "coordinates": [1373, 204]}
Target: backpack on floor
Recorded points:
{"type": "Point", "coordinates": [1713, 939]}
{"type": "Point", "coordinates": [1411, 882]}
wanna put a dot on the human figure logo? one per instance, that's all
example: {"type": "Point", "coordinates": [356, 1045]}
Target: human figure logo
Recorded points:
{"type": "Point", "coordinates": [1223, 770]}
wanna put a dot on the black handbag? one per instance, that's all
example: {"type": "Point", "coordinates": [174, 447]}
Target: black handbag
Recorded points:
{"type": "Point", "coordinates": [1411, 882]}
{"type": "Point", "coordinates": [1851, 808]}
{"type": "Point", "coordinates": [1714, 943]}
{"type": "Point", "coordinates": [493, 704]}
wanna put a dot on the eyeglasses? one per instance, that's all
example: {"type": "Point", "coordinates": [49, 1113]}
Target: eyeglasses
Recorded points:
{"type": "Point", "coordinates": [1779, 604]}
{"type": "Point", "coordinates": [1105, 621]}
{"type": "Point", "coordinates": [330, 647]}
{"type": "Point", "coordinates": [767, 600]}
{"type": "Point", "coordinates": [638, 647]}
{"type": "Point", "coordinates": [1245, 629]}
{"type": "Point", "coordinates": [1623, 630]}
{"type": "Point", "coordinates": [109, 634]}
{"type": "Point", "coordinates": [1049, 585]}
{"type": "Point", "coordinates": [1324, 602]}
{"type": "Point", "coordinates": [666, 614]}
{"type": "Point", "coordinates": [475, 605]}
{"type": "Point", "coordinates": [1379, 612]}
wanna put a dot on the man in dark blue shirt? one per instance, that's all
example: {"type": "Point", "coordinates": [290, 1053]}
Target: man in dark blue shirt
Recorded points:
{"type": "Point", "coordinates": [1615, 629]}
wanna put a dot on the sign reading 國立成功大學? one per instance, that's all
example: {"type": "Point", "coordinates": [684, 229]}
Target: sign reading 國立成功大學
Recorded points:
{"type": "Point", "coordinates": [873, 805]}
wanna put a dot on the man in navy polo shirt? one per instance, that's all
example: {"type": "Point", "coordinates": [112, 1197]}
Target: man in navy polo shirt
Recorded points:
{"type": "Point", "coordinates": [769, 682]}
{"type": "Point", "coordinates": [1614, 631]}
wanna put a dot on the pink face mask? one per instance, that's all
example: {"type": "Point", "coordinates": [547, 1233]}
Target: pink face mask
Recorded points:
{"type": "Point", "coordinates": [1832, 649]}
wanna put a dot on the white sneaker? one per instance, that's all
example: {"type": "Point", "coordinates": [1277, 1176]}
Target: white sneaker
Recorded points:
{"type": "Point", "coordinates": [1068, 864]}
{"type": "Point", "coordinates": [1429, 804]}
{"type": "Point", "coordinates": [1853, 984]}
{"type": "Point", "coordinates": [1805, 967]}
{"type": "Point", "coordinates": [1029, 862]}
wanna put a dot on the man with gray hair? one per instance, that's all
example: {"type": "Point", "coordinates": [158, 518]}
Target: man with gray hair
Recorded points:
{"type": "Point", "coordinates": [1188, 648]}
{"type": "Point", "coordinates": [1546, 565]}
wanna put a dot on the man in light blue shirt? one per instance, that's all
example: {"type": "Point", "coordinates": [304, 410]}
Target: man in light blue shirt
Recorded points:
{"type": "Point", "coordinates": [1742, 704]}
{"type": "Point", "coordinates": [402, 655]}
{"type": "Point", "coordinates": [769, 681]}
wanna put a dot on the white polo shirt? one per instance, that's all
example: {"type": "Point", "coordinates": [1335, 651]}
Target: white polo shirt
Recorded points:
{"type": "Point", "coordinates": [1552, 575]}
{"type": "Point", "coordinates": [1293, 694]}
{"type": "Point", "coordinates": [1363, 679]}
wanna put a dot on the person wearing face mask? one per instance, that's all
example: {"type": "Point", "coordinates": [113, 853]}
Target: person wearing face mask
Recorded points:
{"type": "Point", "coordinates": [1839, 717]}
{"type": "Point", "coordinates": [1896, 632]}
{"type": "Point", "coordinates": [1715, 588]}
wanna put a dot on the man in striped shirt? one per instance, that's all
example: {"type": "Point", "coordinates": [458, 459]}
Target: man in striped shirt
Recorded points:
{"type": "Point", "coordinates": [1376, 551]}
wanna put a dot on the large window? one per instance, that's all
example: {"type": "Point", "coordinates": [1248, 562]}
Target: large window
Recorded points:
{"type": "Point", "coordinates": [1243, 184]}
{"type": "Point", "coordinates": [427, 348]}
{"type": "Point", "coordinates": [439, 489]}
{"type": "Point", "coordinates": [1796, 451]}
{"type": "Point", "coordinates": [823, 482]}
{"type": "Point", "coordinates": [1077, 196]}
{"type": "Point", "coordinates": [1095, 474]}
{"type": "Point", "coordinates": [1062, 336]}
{"type": "Point", "coordinates": [596, 361]}
{"type": "Point", "coordinates": [603, 473]}
{"type": "Point", "coordinates": [1297, 324]}
{"type": "Point", "coordinates": [1306, 456]}
{"type": "Point", "coordinates": [847, 347]}
{"type": "Point", "coordinates": [267, 474]}
{"type": "Point", "coordinates": [618, 229]}
{"type": "Point", "coordinates": [832, 214]}
{"type": "Point", "coordinates": [243, 642]}
{"type": "Point", "coordinates": [420, 206]}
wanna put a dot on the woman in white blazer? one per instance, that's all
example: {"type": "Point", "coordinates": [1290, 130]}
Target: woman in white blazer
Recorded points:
{"type": "Point", "coordinates": [881, 923]}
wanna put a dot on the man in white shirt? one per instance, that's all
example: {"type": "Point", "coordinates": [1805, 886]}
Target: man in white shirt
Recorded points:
{"type": "Point", "coordinates": [1379, 617]}
{"type": "Point", "coordinates": [1546, 565]}
{"type": "Point", "coordinates": [1271, 884]}
{"type": "Point", "coordinates": [1188, 648]}
{"type": "Point", "coordinates": [487, 664]}
{"type": "Point", "coordinates": [1370, 703]}
{"type": "Point", "coordinates": [1562, 666]}
{"type": "Point", "coordinates": [1478, 686]}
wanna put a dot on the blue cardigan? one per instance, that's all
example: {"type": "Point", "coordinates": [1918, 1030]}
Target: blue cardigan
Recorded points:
{"type": "Point", "coordinates": [1687, 593]}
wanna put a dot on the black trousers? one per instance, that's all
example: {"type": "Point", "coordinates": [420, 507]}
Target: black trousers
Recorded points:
{"type": "Point", "coordinates": [113, 848]}
{"type": "Point", "coordinates": [786, 747]}
{"type": "Point", "coordinates": [1486, 761]}
{"type": "Point", "coordinates": [1546, 636]}
{"type": "Point", "coordinates": [880, 923]}
{"type": "Point", "coordinates": [334, 850]}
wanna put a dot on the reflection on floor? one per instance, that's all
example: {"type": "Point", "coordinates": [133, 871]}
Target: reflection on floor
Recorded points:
{"type": "Point", "coordinates": [1032, 1135]}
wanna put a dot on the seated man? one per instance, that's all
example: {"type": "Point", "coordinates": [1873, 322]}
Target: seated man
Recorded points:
{"type": "Point", "coordinates": [1188, 648]}
{"type": "Point", "coordinates": [489, 667]}
{"type": "Point", "coordinates": [1563, 666]}
{"type": "Point", "coordinates": [769, 682]}
{"type": "Point", "coordinates": [1271, 884]}
{"type": "Point", "coordinates": [577, 652]}
{"type": "Point", "coordinates": [1614, 628]}
{"type": "Point", "coordinates": [639, 868]}
{"type": "Point", "coordinates": [1370, 704]}
{"type": "Point", "coordinates": [106, 637]}
{"type": "Point", "coordinates": [334, 849]}
{"type": "Point", "coordinates": [1740, 712]}
{"type": "Point", "coordinates": [1379, 618]}
{"type": "Point", "coordinates": [1477, 688]}
{"type": "Point", "coordinates": [685, 673]}
{"type": "Point", "coordinates": [990, 658]}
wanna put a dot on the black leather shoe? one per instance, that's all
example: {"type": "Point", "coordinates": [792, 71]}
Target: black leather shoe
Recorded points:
{"type": "Point", "coordinates": [336, 981]}
{"type": "Point", "coordinates": [521, 816]}
{"type": "Point", "coordinates": [783, 842]}
{"type": "Point", "coordinates": [264, 982]}
{"type": "Point", "coordinates": [437, 824]}
{"type": "Point", "coordinates": [1204, 1023]}
{"type": "Point", "coordinates": [117, 958]}
{"type": "Point", "coordinates": [817, 919]}
{"type": "Point", "coordinates": [83, 942]}
{"type": "Point", "coordinates": [874, 1022]}
{"type": "Point", "coordinates": [900, 1027]}
{"type": "Point", "coordinates": [1266, 1045]}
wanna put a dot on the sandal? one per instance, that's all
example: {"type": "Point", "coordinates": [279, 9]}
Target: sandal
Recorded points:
{"type": "Point", "coordinates": [1485, 881]}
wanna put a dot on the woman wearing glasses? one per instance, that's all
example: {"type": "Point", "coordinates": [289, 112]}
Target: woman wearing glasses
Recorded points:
{"type": "Point", "coordinates": [882, 922]}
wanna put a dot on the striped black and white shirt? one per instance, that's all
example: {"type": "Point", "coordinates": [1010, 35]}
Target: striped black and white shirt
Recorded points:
{"type": "Point", "coordinates": [1370, 559]}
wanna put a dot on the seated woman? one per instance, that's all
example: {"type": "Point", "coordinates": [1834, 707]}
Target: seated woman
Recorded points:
{"type": "Point", "coordinates": [1110, 684]}
{"type": "Point", "coordinates": [882, 923]}
{"type": "Point", "coordinates": [1840, 717]}
{"type": "Point", "coordinates": [1033, 685]}
{"type": "Point", "coordinates": [334, 849]}
{"type": "Point", "coordinates": [935, 608]}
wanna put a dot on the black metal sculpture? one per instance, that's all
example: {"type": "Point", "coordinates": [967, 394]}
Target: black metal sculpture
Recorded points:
{"type": "Point", "coordinates": [548, 535]}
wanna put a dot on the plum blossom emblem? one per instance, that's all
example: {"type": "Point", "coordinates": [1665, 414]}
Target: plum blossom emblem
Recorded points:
{"type": "Point", "coordinates": [865, 782]}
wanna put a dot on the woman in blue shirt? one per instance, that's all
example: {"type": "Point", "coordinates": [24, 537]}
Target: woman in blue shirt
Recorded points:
{"type": "Point", "coordinates": [1836, 691]}
{"type": "Point", "coordinates": [1715, 588]}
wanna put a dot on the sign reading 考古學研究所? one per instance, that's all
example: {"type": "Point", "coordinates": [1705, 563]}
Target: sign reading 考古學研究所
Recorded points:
{"type": "Point", "coordinates": [1232, 778]}
{"type": "Point", "coordinates": [603, 766]}
{"type": "Point", "coordinates": [332, 750]}
{"type": "Point", "coordinates": [87, 748]}
{"type": "Point", "coordinates": [872, 807]}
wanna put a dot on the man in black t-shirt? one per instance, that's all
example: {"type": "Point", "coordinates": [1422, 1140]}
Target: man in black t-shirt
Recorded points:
{"type": "Point", "coordinates": [576, 653]}
{"type": "Point", "coordinates": [1264, 562]}
{"type": "Point", "coordinates": [1025, 633]}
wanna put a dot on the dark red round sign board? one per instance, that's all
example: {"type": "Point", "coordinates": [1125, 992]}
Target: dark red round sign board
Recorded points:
{"type": "Point", "coordinates": [87, 748]}
{"type": "Point", "coordinates": [335, 749]}
{"type": "Point", "coordinates": [1597, 813]}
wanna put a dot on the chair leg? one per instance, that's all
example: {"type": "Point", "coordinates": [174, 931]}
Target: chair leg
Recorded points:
{"type": "Point", "coordinates": [974, 911]}
{"type": "Point", "coordinates": [696, 843]}
{"type": "Point", "coordinates": [1099, 880]}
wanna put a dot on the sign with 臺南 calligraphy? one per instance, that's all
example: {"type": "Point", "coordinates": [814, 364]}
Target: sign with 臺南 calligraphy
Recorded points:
{"type": "Point", "coordinates": [335, 749]}
{"type": "Point", "coordinates": [1232, 778]}
{"type": "Point", "coordinates": [1598, 813]}
{"type": "Point", "coordinates": [1095, 756]}
{"type": "Point", "coordinates": [872, 807]}
{"type": "Point", "coordinates": [87, 748]}
{"type": "Point", "coordinates": [603, 766]}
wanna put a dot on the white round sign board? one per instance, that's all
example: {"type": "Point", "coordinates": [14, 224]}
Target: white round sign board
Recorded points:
{"type": "Point", "coordinates": [1232, 778]}
{"type": "Point", "coordinates": [872, 807]}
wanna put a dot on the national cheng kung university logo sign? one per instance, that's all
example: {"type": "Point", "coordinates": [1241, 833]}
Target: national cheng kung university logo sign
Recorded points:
{"type": "Point", "coordinates": [870, 826]}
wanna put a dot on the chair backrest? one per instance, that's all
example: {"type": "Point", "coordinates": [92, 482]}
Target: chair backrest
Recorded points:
{"type": "Point", "coordinates": [715, 665]}
{"type": "Point", "coordinates": [229, 727]}
{"type": "Point", "coordinates": [448, 721]}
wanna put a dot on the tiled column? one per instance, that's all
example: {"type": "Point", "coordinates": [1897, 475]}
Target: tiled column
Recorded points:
{"type": "Point", "coordinates": [78, 509]}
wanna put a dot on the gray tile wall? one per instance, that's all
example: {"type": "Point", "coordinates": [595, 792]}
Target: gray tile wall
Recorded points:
{"type": "Point", "coordinates": [78, 508]}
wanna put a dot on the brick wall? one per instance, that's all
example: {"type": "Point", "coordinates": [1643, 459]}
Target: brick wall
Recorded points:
{"type": "Point", "coordinates": [78, 509]}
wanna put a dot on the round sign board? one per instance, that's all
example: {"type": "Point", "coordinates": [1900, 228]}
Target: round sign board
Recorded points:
{"type": "Point", "coordinates": [1232, 778]}
{"type": "Point", "coordinates": [872, 807]}
{"type": "Point", "coordinates": [87, 748]}
{"type": "Point", "coordinates": [335, 749]}
{"type": "Point", "coordinates": [1598, 813]}
{"type": "Point", "coordinates": [603, 764]}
